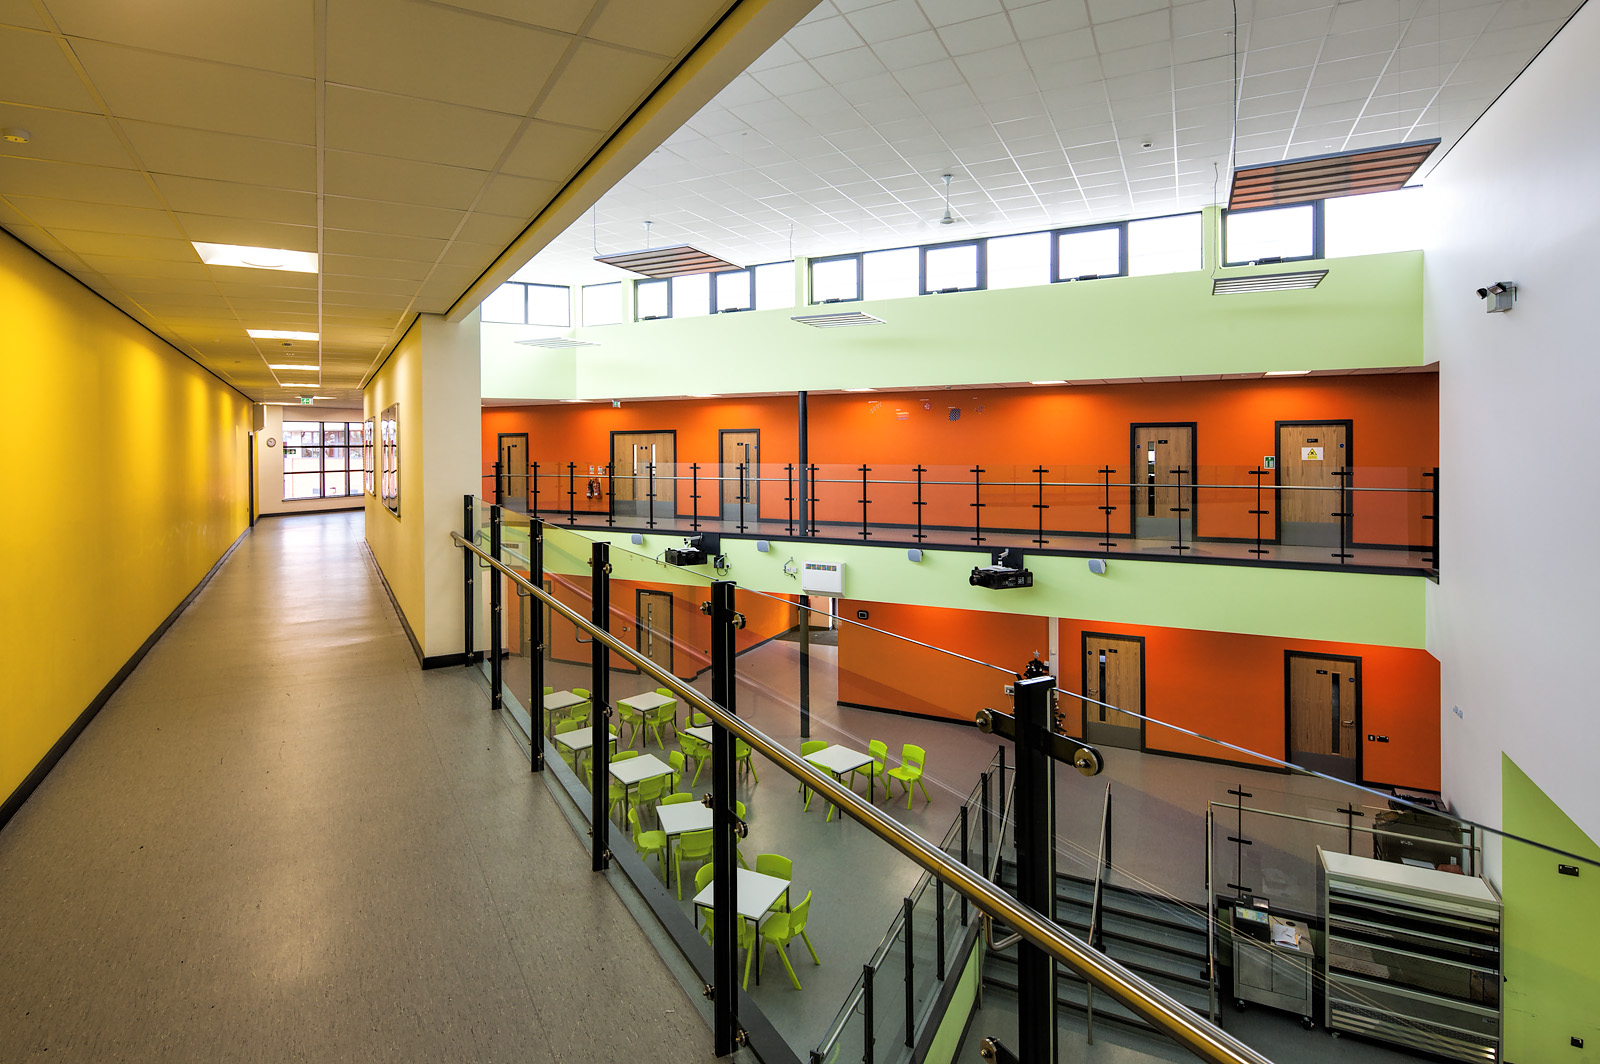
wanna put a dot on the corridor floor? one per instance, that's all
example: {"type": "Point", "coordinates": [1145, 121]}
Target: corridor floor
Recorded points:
{"type": "Point", "coordinates": [282, 841]}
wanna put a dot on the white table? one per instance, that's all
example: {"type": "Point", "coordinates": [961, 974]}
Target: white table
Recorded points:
{"type": "Point", "coordinates": [839, 760]}
{"type": "Point", "coordinates": [559, 700]}
{"type": "Point", "coordinates": [580, 741]}
{"type": "Point", "coordinates": [703, 734]}
{"type": "Point", "coordinates": [756, 892]}
{"type": "Point", "coordinates": [649, 700]}
{"type": "Point", "coordinates": [680, 817]}
{"type": "Point", "coordinates": [636, 770]}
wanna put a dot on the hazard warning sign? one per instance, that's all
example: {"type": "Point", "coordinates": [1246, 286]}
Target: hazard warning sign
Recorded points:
{"type": "Point", "coordinates": [1311, 454]}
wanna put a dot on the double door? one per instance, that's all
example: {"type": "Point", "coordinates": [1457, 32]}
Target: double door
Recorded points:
{"type": "Point", "coordinates": [1324, 714]}
{"type": "Point", "coordinates": [643, 465]}
{"type": "Point", "coordinates": [1113, 676]}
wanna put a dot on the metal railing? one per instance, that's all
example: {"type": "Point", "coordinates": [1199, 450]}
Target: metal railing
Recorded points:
{"type": "Point", "coordinates": [1038, 929]}
{"type": "Point", "coordinates": [1247, 513]}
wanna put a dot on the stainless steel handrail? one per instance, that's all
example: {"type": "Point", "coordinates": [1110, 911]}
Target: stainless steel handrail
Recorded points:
{"type": "Point", "coordinates": [1176, 1020]}
{"type": "Point", "coordinates": [674, 479]}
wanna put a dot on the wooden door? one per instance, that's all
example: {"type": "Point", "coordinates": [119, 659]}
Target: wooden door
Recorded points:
{"type": "Point", "coordinates": [514, 470]}
{"type": "Point", "coordinates": [740, 494]}
{"type": "Point", "coordinates": [653, 631]}
{"type": "Point", "coordinates": [633, 455]}
{"type": "Point", "coordinates": [1163, 458]}
{"type": "Point", "coordinates": [1309, 456]}
{"type": "Point", "coordinates": [1324, 714]}
{"type": "Point", "coordinates": [1113, 672]}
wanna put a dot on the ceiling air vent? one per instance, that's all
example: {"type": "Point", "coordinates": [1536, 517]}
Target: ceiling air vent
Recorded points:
{"type": "Point", "coordinates": [834, 321]}
{"type": "Point", "coordinates": [667, 262]}
{"type": "Point", "coordinates": [1267, 282]}
{"type": "Point", "coordinates": [1345, 173]}
{"type": "Point", "coordinates": [557, 341]}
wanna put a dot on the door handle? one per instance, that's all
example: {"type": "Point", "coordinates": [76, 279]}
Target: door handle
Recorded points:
{"type": "Point", "coordinates": [1347, 723]}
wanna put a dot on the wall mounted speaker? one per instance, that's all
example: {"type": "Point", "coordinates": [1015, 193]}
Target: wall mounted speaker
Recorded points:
{"type": "Point", "coordinates": [636, 539]}
{"type": "Point", "coordinates": [1097, 566]}
{"type": "Point", "coordinates": [914, 555]}
{"type": "Point", "coordinates": [763, 546]}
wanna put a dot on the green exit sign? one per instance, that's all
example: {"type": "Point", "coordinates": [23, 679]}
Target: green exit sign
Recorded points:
{"type": "Point", "coordinates": [305, 400]}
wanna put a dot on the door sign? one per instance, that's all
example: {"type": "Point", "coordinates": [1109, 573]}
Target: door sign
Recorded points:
{"type": "Point", "coordinates": [1311, 454]}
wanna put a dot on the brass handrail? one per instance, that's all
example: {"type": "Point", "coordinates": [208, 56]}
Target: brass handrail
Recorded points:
{"type": "Point", "coordinates": [1165, 1013]}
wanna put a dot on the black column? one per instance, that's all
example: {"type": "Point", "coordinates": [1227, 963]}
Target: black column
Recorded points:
{"type": "Point", "coordinates": [724, 842]}
{"type": "Point", "coordinates": [804, 474]}
{"type": "Point", "coordinates": [600, 707]}
{"type": "Point", "coordinates": [805, 666]}
{"type": "Point", "coordinates": [1036, 865]}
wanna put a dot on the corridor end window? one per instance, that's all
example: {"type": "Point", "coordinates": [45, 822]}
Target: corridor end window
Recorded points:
{"type": "Point", "coordinates": [1083, 254]}
{"type": "Point", "coordinates": [1164, 245]}
{"type": "Point", "coordinates": [1271, 234]}
{"type": "Point", "coordinates": [952, 268]}
{"type": "Point", "coordinates": [322, 459]}
{"type": "Point", "coordinates": [836, 280]}
{"type": "Point", "coordinates": [652, 299]}
{"type": "Point", "coordinates": [602, 304]}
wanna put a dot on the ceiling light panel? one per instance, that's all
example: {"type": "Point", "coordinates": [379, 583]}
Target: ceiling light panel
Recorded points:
{"type": "Point", "coordinates": [280, 334]}
{"type": "Point", "coordinates": [256, 258]}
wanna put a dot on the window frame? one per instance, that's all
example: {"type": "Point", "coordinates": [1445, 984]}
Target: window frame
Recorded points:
{"type": "Point", "coordinates": [1122, 250]}
{"type": "Point", "coordinates": [981, 246]}
{"type": "Point", "coordinates": [1127, 243]}
{"type": "Point", "coordinates": [1318, 234]}
{"type": "Point", "coordinates": [583, 303]}
{"type": "Point", "coordinates": [755, 288]}
{"type": "Point", "coordinates": [355, 440]}
{"type": "Point", "coordinates": [526, 287]}
{"type": "Point", "coordinates": [861, 283]}
{"type": "Point", "coordinates": [750, 289]}
{"type": "Point", "coordinates": [640, 283]}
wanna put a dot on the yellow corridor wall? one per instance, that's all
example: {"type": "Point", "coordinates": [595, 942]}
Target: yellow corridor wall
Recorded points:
{"type": "Point", "coordinates": [123, 478]}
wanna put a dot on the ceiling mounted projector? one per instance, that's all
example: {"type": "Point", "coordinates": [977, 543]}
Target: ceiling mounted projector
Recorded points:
{"type": "Point", "coordinates": [1005, 572]}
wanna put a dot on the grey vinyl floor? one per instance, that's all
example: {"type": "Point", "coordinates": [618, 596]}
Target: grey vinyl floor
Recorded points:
{"type": "Point", "coordinates": [282, 841]}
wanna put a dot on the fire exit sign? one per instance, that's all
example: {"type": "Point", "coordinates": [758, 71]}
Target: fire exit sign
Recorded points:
{"type": "Point", "coordinates": [305, 400]}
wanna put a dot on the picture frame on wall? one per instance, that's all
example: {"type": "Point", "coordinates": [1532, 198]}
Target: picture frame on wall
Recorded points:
{"type": "Point", "coordinates": [389, 446]}
{"type": "Point", "coordinates": [369, 468]}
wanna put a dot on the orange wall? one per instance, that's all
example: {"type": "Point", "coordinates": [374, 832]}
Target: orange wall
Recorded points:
{"type": "Point", "coordinates": [1073, 431]}
{"type": "Point", "coordinates": [886, 672]}
{"type": "Point", "coordinates": [1231, 688]}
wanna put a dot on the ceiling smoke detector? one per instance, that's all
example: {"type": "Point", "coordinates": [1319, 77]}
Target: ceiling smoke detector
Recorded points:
{"type": "Point", "coordinates": [16, 136]}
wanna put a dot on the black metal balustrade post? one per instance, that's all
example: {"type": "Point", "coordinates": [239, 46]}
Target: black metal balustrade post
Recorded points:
{"type": "Point", "coordinates": [1107, 509]}
{"type": "Point", "coordinates": [725, 826]}
{"type": "Point", "coordinates": [1180, 510]}
{"type": "Point", "coordinates": [908, 947]}
{"type": "Point", "coordinates": [920, 502]}
{"type": "Point", "coordinates": [497, 483]}
{"type": "Point", "coordinates": [1239, 887]}
{"type": "Point", "coordinates": [650, 496]}
{"type": "Point", "coordinates": [496, 584]}
{"type": "Point", "coordinates": [1258, 550]}
{"type": "Point", "coordinates": [966, 859]}
{"type": "Point", "coordinates": [810, 514]}
{"type": "Point", "coordinates": [743, 495]}
{"type": "Point", "coordinates": [572, 493]}
{"type": "Point", "coordinates": [533, 503]}
{"type": "Point", "coordinates": [1040, 506]}
{"type": "Point", "coordinates": [938, 928]}
{"type": "Point", "coordinates": [611, 487]}
{"type": "Point", "coordinates": [788, 472]}
{"type": "Point", "coordinates": [1346, 511]}
{"type": "Point", "coordinates": [694, 496]}
{"type": "Point", "coordinates": [863, 500]}
{"type": "Point", "coordinates": [977, 504]}
{"type": "Point", "coordinates": [868, 1035]}
{"type": "Point", "coordinates": [536, 727]}
{"type": "Point", "coordinates": [600, 708]}
{"type": "Point", "coordinates": [983, 820]}
{"type": "Point", "coordinates": [1036, 862]}
{"type": "Point", "coordinates": [1434, 517]}
{"type": "Point", "coordinates": [468, 563]}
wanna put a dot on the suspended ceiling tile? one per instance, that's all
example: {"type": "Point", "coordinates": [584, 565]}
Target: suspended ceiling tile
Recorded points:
{"type": "Point", "coordinates": [408, 128]}
{"type": "Point", "coordinates": [419, 49]}
{"type": "Point", "coordinates": [566, 16]}
{"type": "Point", "coordinates": [92, 184]}
{"type": "Point", "coordinates": [36, 72]}
{"type": "Point", "coordinates": [20, 13]}
{"type": "Point", "coordinates": [97, 217]}
{"type": "Point", "coordinates": [491, 228]}
{"type": "Point", "coordinates": [223, 157]}
{"type": "Point", "coordinates": [394, 286]}
{"type": "Point", "coordinates": [267, 34]}
{"type": "Point", "coordinates": [400, 219]}
{"type": "Point", "coordinates": [516, 196]}
{"type": "Point", "coordinates": [211, 229]}
{"type": "Point", "coordinates": [129, 246]}
{"type": "Point", "coordinates": [599, 84]}
{"type": "Point", "coordinates": [114, 267]}
{"type": "Point", "coordinates": [178, 91]}
{"type": "Point", "coordinates": [229, 199]}
{"type": "Point", "coordinates": [400, 180]}
{"type": "Point", "coordinates": [651, 26]}
{"type": "Point", "coordinates": [378, 245]}
{"type": "Point", "coordinates": [372, 266]}
{"type": "Point", "coordinates": [63, 136]}
{"type": "Point", "coordinates": [464, 253]}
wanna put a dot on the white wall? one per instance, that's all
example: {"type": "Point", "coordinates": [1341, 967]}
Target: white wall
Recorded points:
{"type": "Point", "coordinates": [1518, 199]}
{"type": "Point", "coordinates": [269, 460]}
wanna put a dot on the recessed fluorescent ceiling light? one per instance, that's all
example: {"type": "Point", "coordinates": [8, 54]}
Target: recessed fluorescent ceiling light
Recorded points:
{"type": "Point", "coordinates": [861, 389]}
{"type": "Point", "coordinates": [256, 258]}
{"type": "Point", "coordinates": [557, 341]}
{"type": "Point", "coordinates": [1287, 372]}
{"type": "Point", "coordinates": [1047, 382]}
{"type": "Point", "coordinates": [834, 321]}
{"type": "Point", "coordinates": [280, 334]}
{"type": "Point", "coordinates": [308, 369]}
{"type": "Point", "coordinates": [1267, 282]}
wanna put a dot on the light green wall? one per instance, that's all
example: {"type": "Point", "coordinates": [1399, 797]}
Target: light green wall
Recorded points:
{"type": "Point", "coordinates": [1379, 610]}
{"type": "Point", "coordinates": [1366, 312]}
{"type": "Point", "coordinates": [1551, 933]}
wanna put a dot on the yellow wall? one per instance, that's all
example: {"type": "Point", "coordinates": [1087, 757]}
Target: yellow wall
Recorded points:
{"type": "Point", "coordinates": [124, 476]}
{"type": "Point", "coordinates": [397, 542]}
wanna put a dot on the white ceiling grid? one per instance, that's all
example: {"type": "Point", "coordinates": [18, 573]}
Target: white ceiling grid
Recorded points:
{"type": "Point", "coordinates": [407, 142]}
{"type": "Point", "coordinates": [1041, 109]}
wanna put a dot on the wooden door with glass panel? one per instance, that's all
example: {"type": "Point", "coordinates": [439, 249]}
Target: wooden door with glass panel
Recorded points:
{"type": "Point", "coordinates": [1113, 674]}
{"type": "Point", "coordinates": [643, 465]}
{"type": "Point", "coordinates": [1324, 714]}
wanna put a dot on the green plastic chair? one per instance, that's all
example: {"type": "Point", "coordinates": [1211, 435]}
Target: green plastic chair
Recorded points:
{"type": "Point", "coordinates": [781, 929]}
{"type": "Point", "coordinates": [648, 793]}
{"type": "Point", "coordinates": [618, 791]}
{"type": "Point", "coordinates": [874, 768]}
{"type": "Point", "coordinates": [679, 767]}
{"type": "Point", "coordinates": [743, 755]}
{"type": "Point", "coordinates": [648, 842]}
{"type": "Point", "coordinates": [699, 720]}
{"type": "Point", "coordinates": [806, 749]}
{"type": "Point", "coordinates": [772, 864]}
{"type": "Point", "coordinates": [677, 799]}
{"type": "Point", "coordinates": [633, 719]}
{"type": "Point", "coordinates": [697, 751]}
{"type": "Point", "coordinates": [702, 879]}
{"type": "Point", "coordinates": [747, 934]}
{"type": "Point", "coordinates": [912, 760]}
{"type": "Point", "coordinates": [692, 846]}
{"type": "Point", "coordinates": [663, 717]}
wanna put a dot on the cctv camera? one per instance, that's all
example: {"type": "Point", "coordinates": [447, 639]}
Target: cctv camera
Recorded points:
{"type": "Point", "coordinates": [1498, 288]}
{"type": "Point", "coordinates": [1483, 293]}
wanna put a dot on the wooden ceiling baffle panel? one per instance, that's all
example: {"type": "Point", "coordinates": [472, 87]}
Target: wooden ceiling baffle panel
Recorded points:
{"type": "Point", "coordinates": [1347, 173]}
